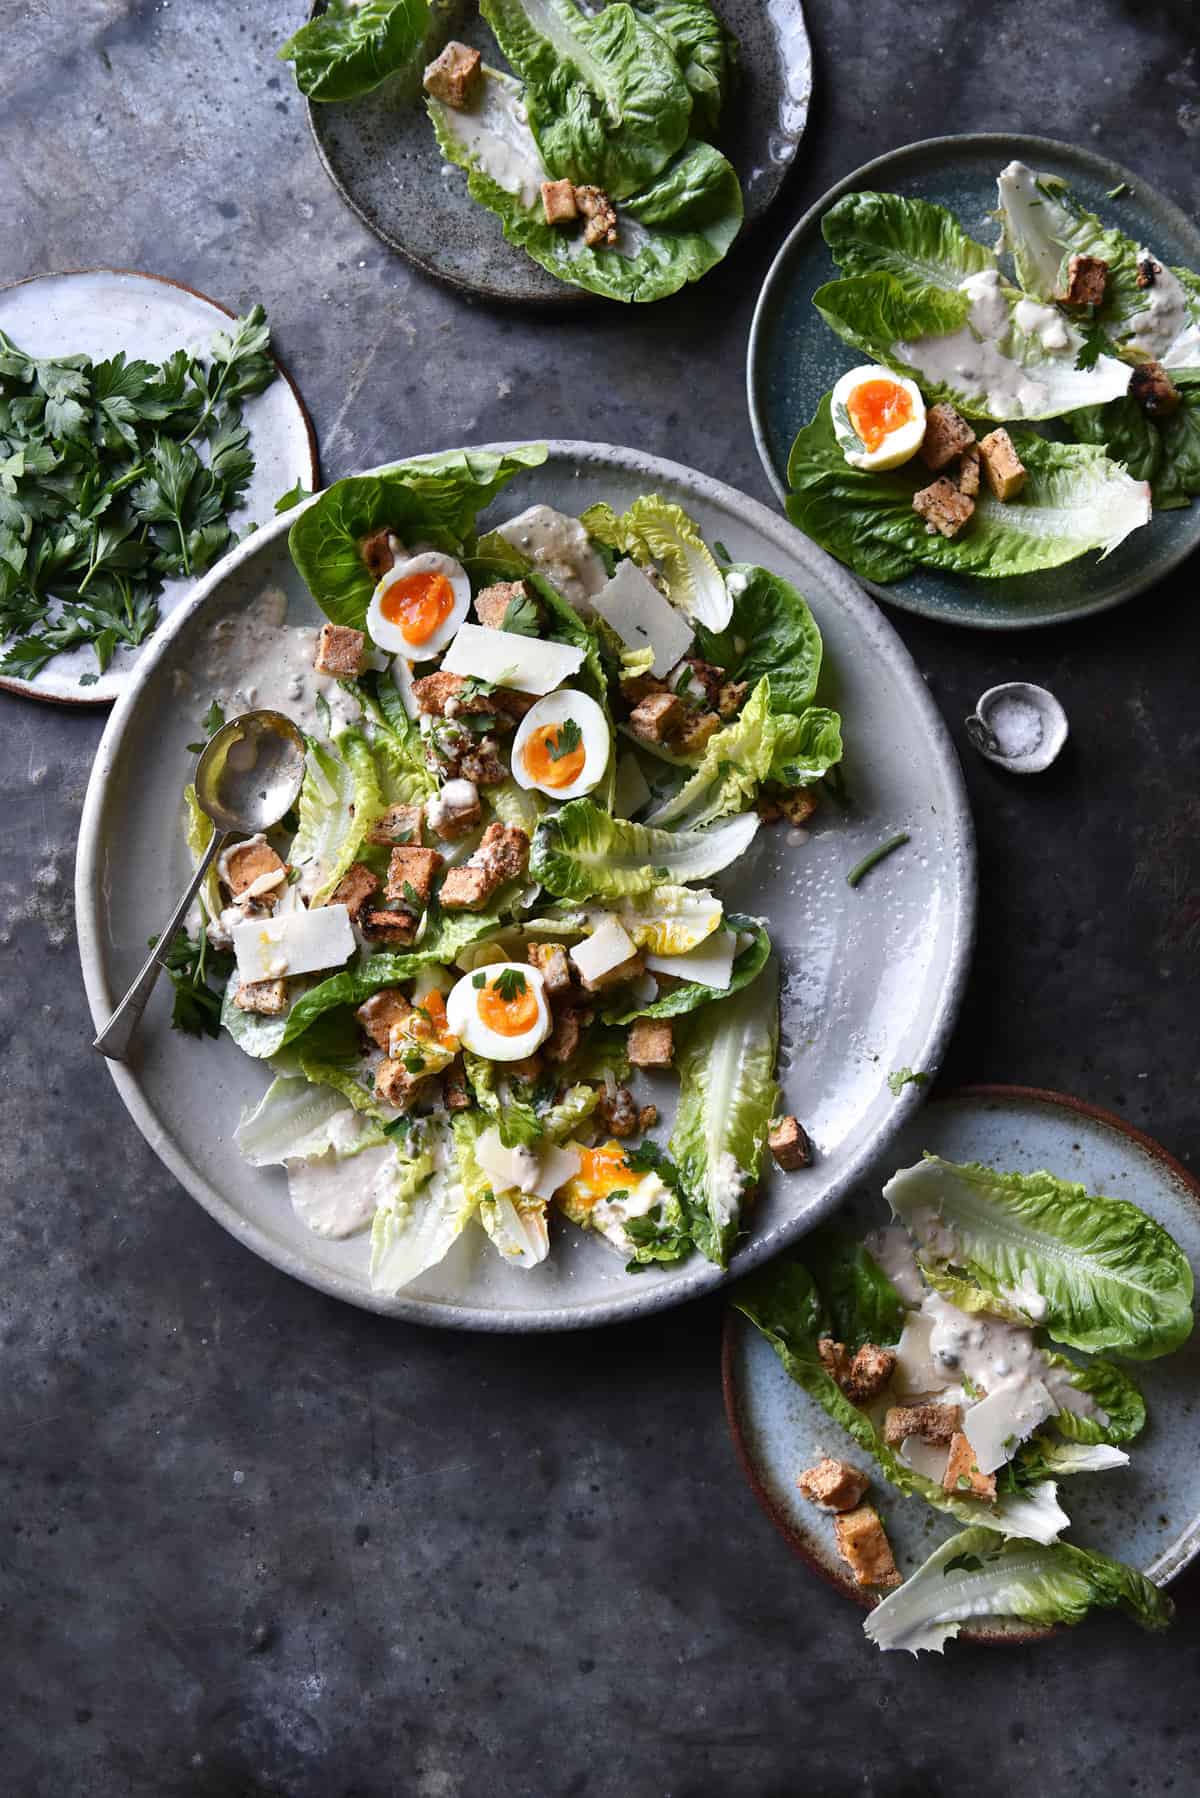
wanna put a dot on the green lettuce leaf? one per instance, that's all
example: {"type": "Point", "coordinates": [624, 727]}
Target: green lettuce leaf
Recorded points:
{"type": "Point", "coordinates": [435, 499]}
{"type": "Point", "coordinates": [422, 1218]}
{"type": "Point", "coordinates": [255, 1035]}
{"type": "Point", "coordinates": [747, 965]}
{"type": "Point", "coordinates": [1109, 1277]}
{"type": "Point", "coordinates": [653, 530]}
{"type": "Point", "coordinates": [784, 1303]}
{"type": "Point", "coordinates": [705, 51]}
{"type": "Point", "coordinates": [292, 1118]}
{"type": "Point", "coordinates": [353, 45]}
{"type": "Point", "coordinates": [1164, 452]}
{"type": "Point", "coordinates": [760, 744]}
{"type": "Point", "coordinates": [921, 246]}
{"type": "Point", "coordinates": [1074, 500]}
{"type": "Point", "coordinates": [859, 1302]}
{"type": "Point", "coordinates": [582, 853]}
{"type": "Point", "coordinates": [671, 232]}
{"type": "Point", "coordinates": [1115, 1393]}
{"type": "Point", "coordinates": [725, 1059]}
{"type": "Point", "coordinates": [606, 101]}
{"type": "Point", "coordinates": [339, 801]}
{"type": "Point", "coordinates": [975, 1574]}
{"type": "Point", "coordinates": [771, 632]}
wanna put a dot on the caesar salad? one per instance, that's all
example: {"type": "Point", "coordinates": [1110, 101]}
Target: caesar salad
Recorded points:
{"type": "Point", "coordinates": [489, 919]}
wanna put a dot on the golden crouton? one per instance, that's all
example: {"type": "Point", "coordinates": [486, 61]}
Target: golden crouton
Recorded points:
{"type": "Point", "coordinates": [247, 862]}
{"type": "Point", "coordinates": [833, 1485]}
{"type": "Point", "coordinates": [382, 1013]}
{"type": "Point", "coordinates": [339, 651]}
{"type": "Point", "coordinates": [558, 203]}
{"type": "Point", "coordinates": [731, 698]}
{"type": "Point", "coordinates": [656, 717]}
{"type": "Point", "coordinates": [491, 605]}
{"type": "Point", "coordinates": [267, 997]}
{"type": "Point", "coordinates": [378, 554]}
{"type": "Point", "coordinates": [651, 1043]}
{"type": "Point", "coordinates": [454, 76]}
{"type": "Point", "coordinates": [355, 889]}
{"type": "Point", "coordinates": [1154, 390]}
{"type": "Point", "coordinates": [788, 1142]}
{"type": "Point", "coordinates": [943, 507]}
{"type": "Point", "coordinates": [694, 736]}
{"type": "Point", "coordinates": [411, 874]}
{"type": "Point", "coordinates": [947, 434]}
{"type": "Point", "coordinates": [600, 214]}
{"type": "Point", "coordinates": [550, 960]}
{"type": "Point", "coordinates": [869, 1371]}
{"type": "Point", "coordinates": [864, 1547]}
{"type": "Point", "coordinates": [968, 472]}
{"type": "Point", "coordinates": [618, 1112]}
{"type": "Point", "coordinates": [394, 929]}
{"type": "Point", "coordinates": [932, 1423]}
{"type": "Point", "coordinates": [563, 1040]}
{"type": "Point", "coordinates": [502, 855]}
{"type": "Point", "coordinates": [1087, 278]}
{"type": "Point", "coordinates": [398, 824]}
{"type": "Point", "coordinates": [1003, 467]}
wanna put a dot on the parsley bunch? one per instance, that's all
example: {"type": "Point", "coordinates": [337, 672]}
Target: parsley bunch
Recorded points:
{"type": "Point", "coordinates": [103, 491]}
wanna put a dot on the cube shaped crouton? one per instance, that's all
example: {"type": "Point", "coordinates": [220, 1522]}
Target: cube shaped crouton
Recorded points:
{"type": "Point", "coordinates": [392, 929]}
{"type": "Point", "coordinates": [1003, 467]}
{"type": "Point", "coordinates": [629, 969]}
{"type": "Point", "coordinates": [943, 508]}
{"type": "Point", "coordinates": [788, 1142]}
{"type": "Point", "coordinates": [398, 824]}
{"type": "Point", "coordinates": [563, 1040]}
{"type": "Point", "coordinates": [932, 1423]}
{"type": "Point", "coordinates": [968, 471]}
{"type": "Point", "coordinates": [502, 855]}
{"type": "Point", "coordinates": [947, 434]}
{"type": "Point", "coordinates": [864, 1547]}
{"type": "Point", "coordinates": [962, 1474]}
{"type": "Point", "coordinates": [618, 1112]}
{"type": "Point", "coordinates": [491, 606]}
{"type": "Point", "coordinates": [433, 691]}
{"type": "Point", "coordinates": [833, 1485]}
{"type": "Point", "coordinates": [693, 738]}
{"type": "Point", "coordinates": [550, 960]}
{"type": "Point", "coordinates": [656, 717]}
{"type": "Point", "coordinates": [456, 811]}
{"type": "Point", "coordinates": [697, 682]}
{"type": "Point", "coordinates": [636, 687]}
{"type": "Point", "coordinates": [382, 1013]}
{"type": "Point", "coordinates": [1154, 390]}
{"type": "Point", "coordinates": [798, 804]}
{"type": "Point", "coordinates": [411, 874]}
{"type": "Point", "coordinates": [397, 1085]}
{"type": "Point", "coordinates": [466, 889]}
{"type": "Point", "coordinates": [1087, 277]}
{"type": "Point", "coordinates": [647, 1117]}
{"type": "Point", "coordinates": [339, 651]}
{"type": "Point", "coordinates": [731, 698]}
{"type": "Point", "coordinates": [267, 997]}
{"type": "Point", "coordinates": [355, 889]}
{"type": "Point", "coordinates": [601, 216]}
{"type": "Point", "coordinates": [833, 1358]}
{"type": "Point", "coordinates": [869, 1371]}
{"type": "Point", "coordinates": [454, 76]}
{"type": "Point", "coordinates": [558, 203]}
{"type": "Point", "coordinates": [651, 1043]}
{"type": "Point", "coordinates": [243, 866]}
{"type": "Point", "coordinates": [378, 552]}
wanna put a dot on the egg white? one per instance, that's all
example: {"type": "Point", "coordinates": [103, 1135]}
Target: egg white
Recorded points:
{"type": "Point", "coordinates": [594, 734]}
{"type": "Point", "coordinates": [462, 1015]}
{"type": "Point", "coordinates": [389, 636]}
{"type": "Point", "coordinates": [900, 445]}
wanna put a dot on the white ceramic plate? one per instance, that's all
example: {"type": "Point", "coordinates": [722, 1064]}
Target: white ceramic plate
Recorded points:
{"type": "Point", "coordinates": [96, 312]}
{"type": "Point", "coordinates": [1147, 1514]}
{"type": "Point", "coordinates": [873, 975]}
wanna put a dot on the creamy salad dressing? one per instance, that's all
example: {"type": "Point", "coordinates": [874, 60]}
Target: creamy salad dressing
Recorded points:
{"type": "Point", "coordinates": [1164, 330]}
{"type": "Point", "coordinates": [558, 547]}
{"type": "Point", "coordinates": [254, 657]}
{"type": "Point", "coordinates": [337, 1191]}
{"type": "Point", "coordinates": [495, 136]}
{"type": "Point", "coordinates": [1046, 323]}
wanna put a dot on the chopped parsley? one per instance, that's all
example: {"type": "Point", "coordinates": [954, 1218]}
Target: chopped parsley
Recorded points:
{"type": "Point", "coordinates": [479, 980]}
{"type": "Point", "coordinates": [903, 1077]}
{"type": "Point", "coordinates": [1095, 344]}
{"type": "Point", "coordinates": [509, 985]}
{"type": "Point", "coordinates": [521, 618]}
{"type": "Point", "coordinates": [566, 738]}
{"type": "Point", "coordinates": [197, 1007]}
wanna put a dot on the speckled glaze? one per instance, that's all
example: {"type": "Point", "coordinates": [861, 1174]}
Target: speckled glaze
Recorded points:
{"type": "Point", "coordinates": [1148, 1513]}
{"type": "Point", "coordinates": [381, 154]}
{"type": "Point", "coordinates": [872, 976]}
{"type": "Point", "coordinates": [794, 358]}
{"type": "Point", "coordinates": [97, 312]}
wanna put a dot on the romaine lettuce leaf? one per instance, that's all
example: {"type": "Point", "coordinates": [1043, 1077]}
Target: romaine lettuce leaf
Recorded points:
{"type": "Point", "coordinates": [725, 1059]}
{"type": "Point", "coordinates": [606, 100]}
{"type": "Point", "coordinates": [760, 744]}
{"type": "Point", "coordinates": [291, 1118]}
{"type": "Point", "coordinates": [653, 530]}
{"type": "Point", "coordinates": [704, 49]}
{"type": "Point", "coordinates": [1116, 1394]}
{"type": "Point", "coordinates": [975, 1574]}
{"type": "Point", "coordinates": [255, 1035]}
{"type": "Point", "coordinates": [770, 632]}
{"type": "Point", "coordinates": [582, 853]}
{"type": "Point", "coordinates": [747, 964]}
{"type": "Point", "coordinates": [353, 45]}
{"type": "Point", "coordinates": [1108, 1276]}
{"type": "Point", "coordinates": [1165, 452]}
{"type": "Point", "coordinates": [516, 1225]}
{"type": "Point", "coordinates": [434, 499]}
{"type": "Point", "coordinates": [667, 920]}
{"type": "Point", "coordinates": [671, 232]}
{"type": "Point", "coordinates": [918, 244]}
{"type": "Point", "coordinates": [430, 1207]}
{"type": "Point", "coordinates": [1074, 500]}
{"type": "Point", "coordinates": [858, 1301]}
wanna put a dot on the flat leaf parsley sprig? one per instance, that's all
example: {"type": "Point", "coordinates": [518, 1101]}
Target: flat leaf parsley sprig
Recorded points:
{"type": "Point", "coordinates": [103, 491]}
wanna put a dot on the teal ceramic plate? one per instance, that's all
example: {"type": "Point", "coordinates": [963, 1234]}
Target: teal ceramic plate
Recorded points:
{"type": "Point", "coordinates": [794, 358]}
{"type": "Point", "coordinates": [1148, 1513]}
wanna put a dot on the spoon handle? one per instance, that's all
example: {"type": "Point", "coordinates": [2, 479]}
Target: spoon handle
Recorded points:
{"type": "Point", "coordinates": [115, 1038]}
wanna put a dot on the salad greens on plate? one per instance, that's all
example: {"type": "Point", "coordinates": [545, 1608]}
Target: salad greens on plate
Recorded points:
{"type": "Point", "coordinates": [937, 1346]}
{"type": "Point", "coordinates": [1023, 405]}
{"type": "Point", "coordinates": [489, 919]}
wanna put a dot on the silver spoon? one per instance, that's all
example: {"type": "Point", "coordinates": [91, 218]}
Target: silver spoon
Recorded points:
{"type": "Point", "coordinates": [249, 775]}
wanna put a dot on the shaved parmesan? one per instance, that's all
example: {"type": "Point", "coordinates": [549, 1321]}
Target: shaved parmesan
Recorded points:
{"type": "Point", "coordinates": [632, 789]}
{"type": "Point", "coordinates": [710, 963]}
{"type": "Point", "coordinates": [300, 942]}
{"type": "Point", "coordinates": [537, 1173]}
{"type": "Point", "coordinates": [642, 618]}
{"type": "Point", "coordinates": [928, 1458]}
{"type": "Point", "coordinates": [916, 1370]}
{"type": "Point", "coordinates": [608, 946]}
{"type": "Point", "coordinates": [525, 664]}
{"type": "Point", "coordinates": [999, 1423]}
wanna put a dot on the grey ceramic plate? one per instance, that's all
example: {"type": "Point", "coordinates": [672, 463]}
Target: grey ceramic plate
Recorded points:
{"type": "Point", "coordinates": [99, 311]}
{"type": "Point", "coordinates": [874, 975]}
{"type": "Point", "coordinates": [381, 154]}
{"type": "Point", "coordinates": [794, 358]}
{"type": "Point", "coordinates": [1148, 1513]}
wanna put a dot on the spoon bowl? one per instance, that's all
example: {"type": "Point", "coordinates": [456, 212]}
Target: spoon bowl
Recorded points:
{"type": "Point", "coordinates": [251, 771]}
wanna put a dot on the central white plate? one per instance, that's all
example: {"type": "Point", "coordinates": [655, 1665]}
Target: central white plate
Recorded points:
{"type": "Point", "coordinates": [873, 975]}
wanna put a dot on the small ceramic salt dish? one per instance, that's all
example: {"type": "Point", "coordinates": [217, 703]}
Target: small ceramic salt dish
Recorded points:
{"type": "Point", "coordinates": [1018, 726]}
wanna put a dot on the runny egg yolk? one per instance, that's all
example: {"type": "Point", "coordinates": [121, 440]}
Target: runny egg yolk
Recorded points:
{"type": "Point", "coordinates": [510, 1012]}
{"type": "Point", "coordinates": [548, 761]}
{"type": "Point", "coordinates": [434, 1007]}
{"type": "Point", "coordinates": [877, 408]}
{"type": "Point", "coordinates": [418, 604]}
{"type": "Point", "coordinates": [603, 1171]}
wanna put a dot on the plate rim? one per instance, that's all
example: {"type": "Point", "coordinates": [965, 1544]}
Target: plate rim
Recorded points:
{"type": "Point", "coordinates": [775, 282]}
{"type": "Point", "coordinates": [733, 1324]}
{"type": "Point", "coordinates": [570, 296]}
{"type": "Point", "coordinates": [878, 633]}
{"type": "Point", "coordinates": [27, 689]}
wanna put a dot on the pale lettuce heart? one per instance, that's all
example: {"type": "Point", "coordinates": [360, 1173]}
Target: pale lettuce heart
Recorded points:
{"type": "Point", "coordinates": [654, 530]}
{"type": "Point", "coordinates": [583, 853]}
{"type": "Point", "coordinates": [424, 1214]}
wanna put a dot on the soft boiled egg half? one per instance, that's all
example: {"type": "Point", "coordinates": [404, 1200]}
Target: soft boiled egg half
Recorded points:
{"type": "Point", "coordinates": [878, 418]}
{"type": "Point", "coordinates": [418, 606]}
{"type": "Point", "coordinates": [500, 1011]}
{"type": "Point", "coordinates": [562, 746]}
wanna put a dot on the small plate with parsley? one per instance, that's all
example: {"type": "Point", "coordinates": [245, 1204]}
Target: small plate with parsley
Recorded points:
{"type": "Point", "coordinates": [143, 430]}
